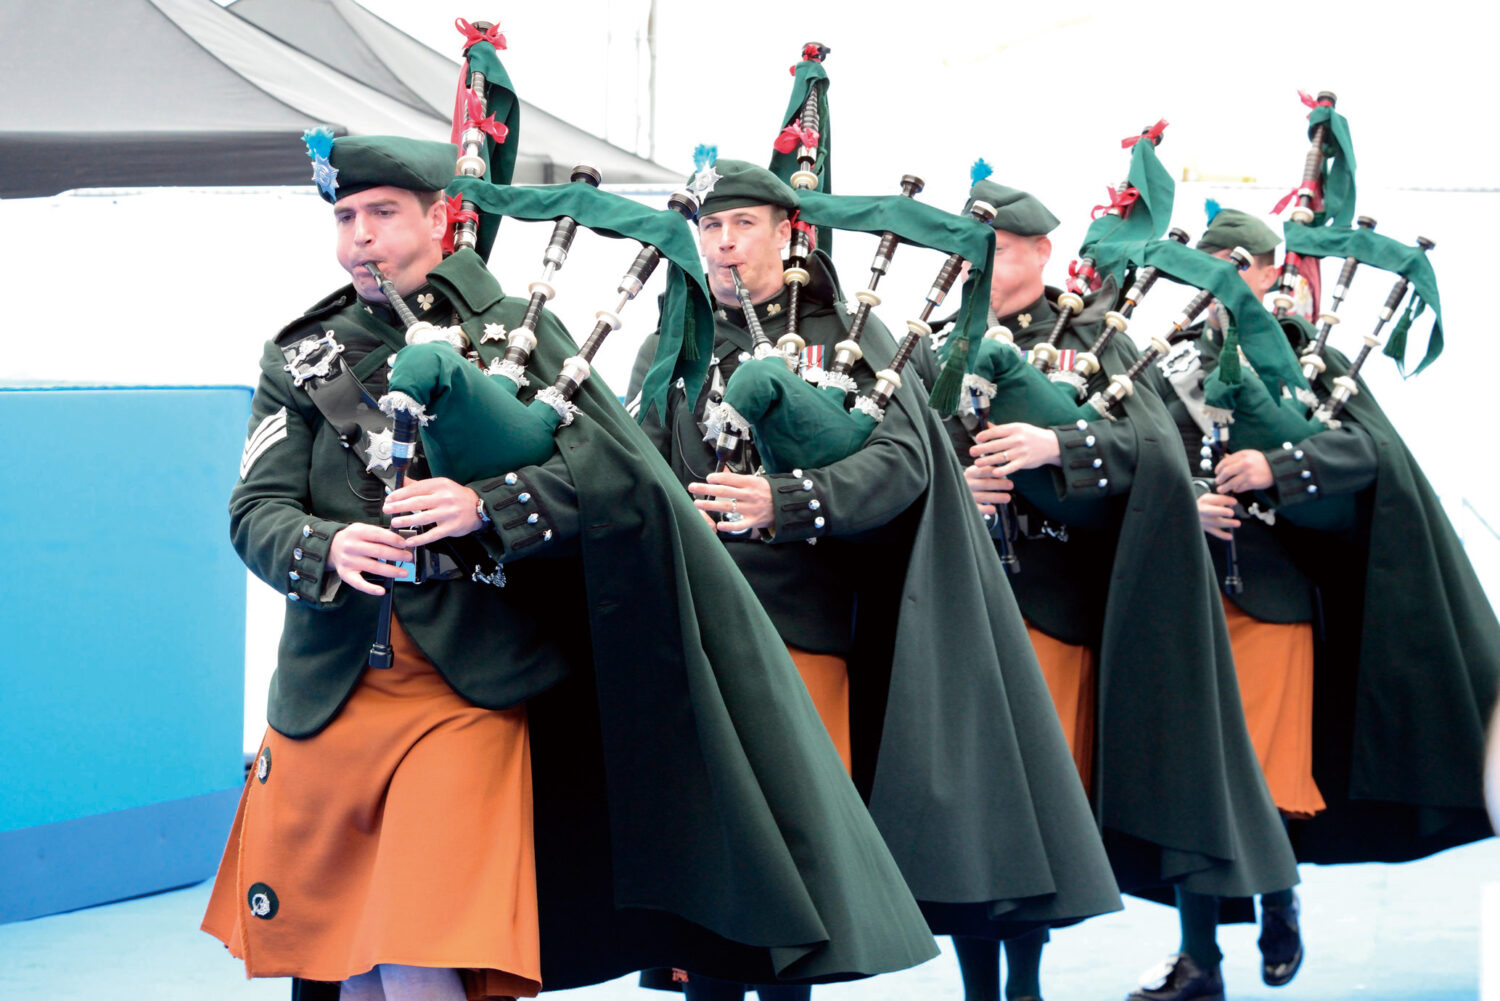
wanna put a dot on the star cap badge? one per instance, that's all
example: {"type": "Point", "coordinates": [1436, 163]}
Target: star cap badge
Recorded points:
{"type": "Point", "coordinates": [703, 182]}
{"type": "Point", "coordinates": [326, 175]}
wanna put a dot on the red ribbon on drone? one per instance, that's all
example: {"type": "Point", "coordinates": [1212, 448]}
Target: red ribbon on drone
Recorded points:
{"type": "Point", "coordinates": [1081, 274]}
{"type": "Point", "coordinates": [457, 215]}
{"type": "Point", "coordinates": [1286, 199]}
{"type": "Point", "coordinates": [1153, 133]}
{"type": "Point", "coordinates": [805, 227]}
{"type": "Point", "coordinates": [795, 135]}
{"type": "Point", "coordinates": [1313, 102]}
{"type": "Point", "coordinates": [1311, 271]}
{"type": "Point", "coordinates": [473, 36]}
{"type": "Point", "coordinates": [496, 130]}
{"type": "Point", "coordinates": [1121, 200]}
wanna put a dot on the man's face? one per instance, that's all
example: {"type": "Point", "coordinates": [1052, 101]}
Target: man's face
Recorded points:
{"type": "Point", "coordinates": [388, 227]}
{"type": "Point", "coordinates": [1016, 278]}
{"type": "Point", "coordinates": [749, 239]}
{"type": "Point", "coordinates": [1260, 275]}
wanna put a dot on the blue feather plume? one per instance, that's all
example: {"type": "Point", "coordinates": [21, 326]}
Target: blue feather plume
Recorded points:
{"type": "Point", "coordinates": [705, 156]}
{"type": "Point", "coordinates": [1211, 208]}
{"type": "Point", "coordinates": [980, 171]}
{"type": "Point", "coordinates": [319, 142]}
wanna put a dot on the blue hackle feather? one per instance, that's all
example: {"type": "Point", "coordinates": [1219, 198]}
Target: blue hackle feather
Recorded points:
{"type": "Point", "coordinates": [980, 171]}
{"type": "Point", "coordinates": [319, 142]}
{"type": "Point", "coordinates": [1211, 208]}
{"type": "Point", "coordinates": [705, 156]}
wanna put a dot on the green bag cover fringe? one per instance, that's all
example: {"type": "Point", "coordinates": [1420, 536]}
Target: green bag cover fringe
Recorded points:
{"type": "Point", "coordinates": [924, 226]}
{"type": "Point", "coordinates": [501, 102]}
{"type": "Point", "coordinates": [796, 426]}
{"type": "Point", "coordinates": [1378, 251]}
{"type": "Point", "coordinates": [810, 73]}
{"type": "Point", "coordinates": [477, 427]}
{"type": "Point", "coordinates": [687, 318]}
{"type": "Point", "coordinates": [1109, 237]}
{"type": "Point", "coordinates": [1262, 423]}
{"type": "Point", "coordinates": [1022, 393]}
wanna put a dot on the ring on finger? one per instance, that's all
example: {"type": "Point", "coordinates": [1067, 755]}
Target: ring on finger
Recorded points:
{"type": "Point", "coordinates": [1004, 456]}
{"type": "Point", "coordinates": [734, 505]}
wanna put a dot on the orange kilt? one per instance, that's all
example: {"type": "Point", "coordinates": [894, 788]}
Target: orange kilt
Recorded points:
{"type": "Point", "coordinates": [1069, 673]}
{"type": "Point", "coordinates": [401, 833]}
{"type": "Point", "coordinates": [1274, 664]}
{"type": "Point", "coordinates": [827, 681]}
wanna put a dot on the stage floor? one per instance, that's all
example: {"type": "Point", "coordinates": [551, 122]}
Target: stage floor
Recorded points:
{"type": "Point", "coordinates": [1373, 932]}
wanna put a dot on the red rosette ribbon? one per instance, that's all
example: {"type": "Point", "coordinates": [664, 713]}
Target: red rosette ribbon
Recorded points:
{"type": "Point", "coordinates": [1286, 199]}
{"type": "Point", "coordinates": [795, 135]}
{"type": "Point", "coordinates": [1121, 200]}
{"type": "Point", "coordinates": [457, 215]}
{"type": "Point", "coordinates": [1153, 133]}
{"type": "Point", "coordinates": [1083, 277]}
{"type": "Point", "coordinates": [473, 36]}
{"type": "Point", "coordinates": [495, 130]}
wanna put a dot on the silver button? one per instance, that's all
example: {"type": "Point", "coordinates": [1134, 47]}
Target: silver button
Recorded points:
{"type": "Point", "coordinates": [524, 497]}
{"type": "Point", "coordinates": [807, 484]}
{"type": "Point", "coordinates": [796, 472]}
{"type": "Point", "coordinates": [1100, 462]}
{"type": "Point", "coordinates": [1297, 454]}
{"type": "Point", "coordinates": [1083, 425]}
{"type": "Point", "coordinates": [306, 531]}
{"type": "Point", "coordinates": [297, 553]}
{"type": "Point", "coordinates": [547, 535]}
{"type": "Point", "coordinates": [1206, 452]}
{"type": "Point", "coordinates": [1103, 482]}
{"type": "Point", "coordinates": [1204, 465]}
{"type": "Point", "coordinates": [818, 522]}
{"type": "Point", "coordinates": [1312, 488]}
{"type": "Point", "coordinates": [1307, 474]}
{"type": "Point", "coordinates": [293, 596]}
{"type": "Point", "coordinates": [294, 575]}
{"type": "Point", "coordinates": [532, 518]}
{"type": "Point", "coordinates": [1287, 445]}
{"type": "Point", "coordinates": [510, 479]}
{"type": "Point", "coordinates": [814, 504]}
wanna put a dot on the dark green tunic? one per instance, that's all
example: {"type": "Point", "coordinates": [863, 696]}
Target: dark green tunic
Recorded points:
{"type": "Point", "coordinates": [1177, 788]}
{"type": "Point", "coordinates": [956, 744]}
{"type": "Point", "coordinates": [655, 686]}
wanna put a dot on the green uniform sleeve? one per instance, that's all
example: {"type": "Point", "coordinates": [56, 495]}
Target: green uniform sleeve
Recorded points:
{"type": "Point", "coordinates": [531, 509]}
{"type": "Point", "coordinates": [271, 524]}
{"type": "Point", "coordinates": [1330, 463]}
{"type": "Point", "coordinates": [856, 494]}
{"type": "Point", "coordinates": [1096, 459]}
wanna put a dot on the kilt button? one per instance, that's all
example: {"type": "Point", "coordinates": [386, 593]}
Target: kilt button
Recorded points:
{"type": "Point", "coordinates": [262, 900]}
{"type": "Point", "coordinates": [263, 765]}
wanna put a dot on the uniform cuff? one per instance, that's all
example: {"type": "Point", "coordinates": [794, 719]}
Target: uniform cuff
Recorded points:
{"type": "Point", "coordinates": [1084, 473]}
{"type": "Point", "coordinates": [308, 577]}
{"type": "Point", "coordinates": [518, 525]}
{"type": "Point", "coordinates": [1295, 480]}
{"type": "Point", "coordinates": [797, 508]}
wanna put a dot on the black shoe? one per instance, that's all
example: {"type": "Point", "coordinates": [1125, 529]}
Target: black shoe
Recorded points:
{"type": "Point", "coordinates": [1180, 979]}
{"type": "Point", "coordinates": [1280, 944]}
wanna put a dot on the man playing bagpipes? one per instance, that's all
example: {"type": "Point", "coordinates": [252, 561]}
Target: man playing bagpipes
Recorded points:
{"type": "Point", "coordinates": [1366, 652]}
{"type": "Point", "coordinates": [1119, 603]}
{"type": "Point", "coordinates": [594, 758]}
{"type": "Point", "coordinates": [867, 565]}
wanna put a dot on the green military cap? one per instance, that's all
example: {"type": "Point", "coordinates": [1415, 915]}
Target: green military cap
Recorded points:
{"type": "Point", "coordinates": [1015, 211]}
{"type": "Point", "coordinates": [733, 184]}
{"type": "Point", "coordinates": [1230, 228]}
{"type": "Point", "coordinates": [365, 162]}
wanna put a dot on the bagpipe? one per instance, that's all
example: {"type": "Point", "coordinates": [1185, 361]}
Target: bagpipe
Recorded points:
{"type": "Point", "coordinates": [472, 422]}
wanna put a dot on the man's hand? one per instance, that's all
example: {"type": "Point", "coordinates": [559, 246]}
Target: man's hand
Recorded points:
{"type": "Point", "coordinates": [1216, 515]}
{"type": "Point", "coordinates": [1011, 447]}
{"type": "Point", "coordinates": [736, 493]}
{"type": "Point", "coordinates": [358, 549]}
{"type": "Point", "coordinates": [988, 487]}
{"type": "Point", "coordinates": [1241, 472]}
{"type": "Point", "coordinates": [450, 508]}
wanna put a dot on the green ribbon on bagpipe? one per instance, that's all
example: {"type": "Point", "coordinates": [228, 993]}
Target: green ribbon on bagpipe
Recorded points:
{"type": "Point", "coordinates": [924, 226]}
{"type": "Point", "coordinates": [1378, 251]}
{"type": "Point", "coordinates": [809, 73]}
{"type": "Point", "coordinates": [501, 104]}
{"type": "Point", "coordinates": [1110, 237]}
{"type": "Point", "coordinates": [687, 321]}
{"type": "Point", "coordinates": [1337, 179]}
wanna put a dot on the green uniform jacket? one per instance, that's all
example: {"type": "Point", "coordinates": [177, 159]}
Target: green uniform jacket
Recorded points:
{"type": "Point", "coordinates": [655, 686]}
{"type": "Point", "coordinates": [1407, 671]}
{"type": "Point", "coordinates": [956, 744]}
{"type": "Point", "coordinates": [1177, 790]}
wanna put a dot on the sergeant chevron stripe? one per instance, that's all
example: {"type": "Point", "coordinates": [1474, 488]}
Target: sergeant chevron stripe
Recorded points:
{"type": "Point", "coordinates": [267, 433]}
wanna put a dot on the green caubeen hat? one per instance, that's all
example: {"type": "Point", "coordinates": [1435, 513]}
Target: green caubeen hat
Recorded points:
{"type": "Point", "coordinates": [1230, 228]}
{"type": "Point", "coordinates": [350, 164]}
{"type": "Point", "coordinates": [720, 185]}
{"type": "Point", "coordinates": [1015, 211]}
